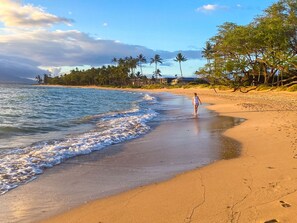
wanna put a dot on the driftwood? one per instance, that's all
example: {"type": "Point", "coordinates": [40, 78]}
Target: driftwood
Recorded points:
{"type": "Point", "coordinates": [243, 89]}
{"type": "Point", "coordinates": [289, 84]}
{"type": "Point", "coordinates": [286, 80]}
{"type": "Point", "coordinates": [248, 90]}
{"type": "Point", "coordinates": [214, 89]}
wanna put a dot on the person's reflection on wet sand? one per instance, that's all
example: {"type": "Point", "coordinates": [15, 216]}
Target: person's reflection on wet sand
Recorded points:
{"type": "Point", "coordinates": [196, 121]}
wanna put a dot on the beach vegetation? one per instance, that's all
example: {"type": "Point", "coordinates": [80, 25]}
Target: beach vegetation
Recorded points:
{"type": "Point", "coordinates": [141, 60]}
{"type": "Point", "coordinates": [114, 60]}
{"type": "Point", "coordinates": [154, 86]}
{"type": "Point", "coordinates": [292, 88]}
{"type": "Point", "coordinates": [155, 60]}
{"type": "Point", "coordinates": [264, 87]}
{"type": "Point", "coordinates": [157, 73]}
{"type": "Point", "coordinates": [38, 79]}
{"type": "Point", "coordinates": [180, 58]}
{"type": "Point", "coordinates": [262, 52]}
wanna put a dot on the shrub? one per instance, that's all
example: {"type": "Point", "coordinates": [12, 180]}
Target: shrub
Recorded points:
{"type": "Point", "coordinates": [263, 87]}
{"type": "Point", "coordinates": [223, 87]}
{"type": "Point", "coordinates": [204, 85]}
{"type": "Point", "coordinates": [154, 86]}
{"type": "Point", "coordinates": [292, 88]}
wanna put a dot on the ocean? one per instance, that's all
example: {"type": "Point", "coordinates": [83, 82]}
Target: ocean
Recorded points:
{"type": "Point", "coordinates": [41, 127]}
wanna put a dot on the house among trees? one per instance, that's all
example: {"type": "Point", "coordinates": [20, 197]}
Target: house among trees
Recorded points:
{"type": "Point", "coordinates": [187, 80]}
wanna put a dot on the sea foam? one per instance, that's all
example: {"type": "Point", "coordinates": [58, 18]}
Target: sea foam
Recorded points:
{"type": "Point", "coordinates": [21, 165]}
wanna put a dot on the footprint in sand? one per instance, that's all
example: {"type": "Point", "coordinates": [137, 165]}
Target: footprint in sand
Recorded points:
{"type": "Point", "coordinates": [284, 204]}
{"type": "Point", "coordinates": [272, 221]}
{"type": "Point", "coordinates": [270, 167]}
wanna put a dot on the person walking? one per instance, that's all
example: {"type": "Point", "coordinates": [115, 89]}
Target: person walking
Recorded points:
{"type": "Point", "coordinates": [196, 102]}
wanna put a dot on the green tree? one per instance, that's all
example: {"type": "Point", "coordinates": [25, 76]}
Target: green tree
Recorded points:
{"type": "Point", "coordinates": [156, 59]}
{"type": "Point", "coordinates": [114, 60]}
{"type": "Point", "coordinates": [278, 36]}
{"type": "Point", "coordinates": [180, 58]}
{"type": "Point", "coordinates": [265, 48]}
{"type": "Point", "coordinates": [46, 78]}
{"type": "Point", "coordinates": [131, 64]}
{"type": "Point", "coordinates": [38, 79]}
{"type": "Point", "coordinates": [140, 60]}
{"type": "Point", "coordinates": [207, 51]}
{"type": "Point", "coordinates": [158, 73]}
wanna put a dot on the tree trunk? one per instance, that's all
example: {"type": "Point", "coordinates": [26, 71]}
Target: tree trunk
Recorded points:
{"type": "Point", "coordinates": [156, 70]}
{"type": "Point", "coordinates": [181, 72]}
{"type": "Point", "coordinates": [141, 69]}
{"type": "Point", "coordinates": [265, 75]}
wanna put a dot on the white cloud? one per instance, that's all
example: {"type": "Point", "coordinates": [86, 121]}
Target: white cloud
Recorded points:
{"type": "Point", "coordinates": [69, 48]}
{"type": "Point", "coordinates": [14, 14]}
{"type": "Point", "coordinates": [208, 7]}
{"type": "Point", "coordinates": [105, 24]}
{"type": "Point", "coordinates": [211, 8]}
{"type": "Point", "coordinates": [49, 51]}
{"type": "Point", "coordinates": [55, 71]}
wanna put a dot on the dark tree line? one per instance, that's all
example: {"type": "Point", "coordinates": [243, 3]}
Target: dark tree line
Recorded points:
{"type": "Point", "coordinates": [122, 73]}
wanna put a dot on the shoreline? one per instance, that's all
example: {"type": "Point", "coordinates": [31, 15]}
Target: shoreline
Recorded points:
{"type": "Point", "coordinates": [259, 186]}
{"type": "Point", "coordinates": [122, 167]}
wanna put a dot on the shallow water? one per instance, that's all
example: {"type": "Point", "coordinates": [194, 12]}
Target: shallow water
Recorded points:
{"type": "Point", "coordinates": [43, 126]}
{"type": "Point", "coordinates": [176, 142]}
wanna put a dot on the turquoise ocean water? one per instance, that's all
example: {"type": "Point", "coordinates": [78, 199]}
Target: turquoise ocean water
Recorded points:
{"type": "Point", "coordinates": [42, 126]}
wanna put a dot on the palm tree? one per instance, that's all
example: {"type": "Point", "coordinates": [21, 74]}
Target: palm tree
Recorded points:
{"type": "Point", "coordinates": [206, 52]}
{"type": "Point", "coordinates": [121, 62]}
{"type": "Point", "coordinates": [156, 59]}
{"type": "Point", "coordinates": [158, 73]}
{"type": "Point", "coordinates": [131, 64]}
{"type": "Point", "coordinates": [141, 59]}
{"type": "Point", "coordinates": [38, 79]}
{"type": "Point", "coordinates": [180, 58]}
{"type": "Point", "coordinates": [114, 60]}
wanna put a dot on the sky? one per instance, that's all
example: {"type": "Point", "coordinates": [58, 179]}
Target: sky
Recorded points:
{"type": "Point", "coordinates": [54, 36]}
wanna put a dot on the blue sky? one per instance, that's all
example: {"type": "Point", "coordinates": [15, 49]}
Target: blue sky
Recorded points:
{"type": "Point", "coordinates": [57, 35]}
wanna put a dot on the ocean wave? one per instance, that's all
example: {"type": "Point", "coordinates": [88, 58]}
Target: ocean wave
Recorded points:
{"type": "Point", "coordinates": [21, 165]}
{"type": "Point", "coordinates": [148, 97]}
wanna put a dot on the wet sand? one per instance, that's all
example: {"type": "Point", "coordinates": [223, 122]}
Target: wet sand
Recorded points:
{"type": "Point", "coordinates": [179, 143]}
{"type": "Point", "coordinates": [259, 186]}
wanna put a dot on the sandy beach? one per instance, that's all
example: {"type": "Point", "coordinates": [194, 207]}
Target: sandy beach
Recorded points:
{"type": "Point", "coordinates": [259, 186]}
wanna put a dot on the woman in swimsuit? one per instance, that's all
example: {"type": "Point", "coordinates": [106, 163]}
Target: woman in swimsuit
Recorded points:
{"type": "Point", "coordinates": [196, 101]}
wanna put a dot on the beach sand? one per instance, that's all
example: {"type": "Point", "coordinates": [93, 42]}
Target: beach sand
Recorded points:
{"type": "Point", "coordinates": [259, 186]}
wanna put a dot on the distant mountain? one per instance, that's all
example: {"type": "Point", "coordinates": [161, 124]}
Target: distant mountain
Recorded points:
{"type": "Point", "coordinates": [10, 79]}
{"type": "Point", "coordinates": [15, 69]}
